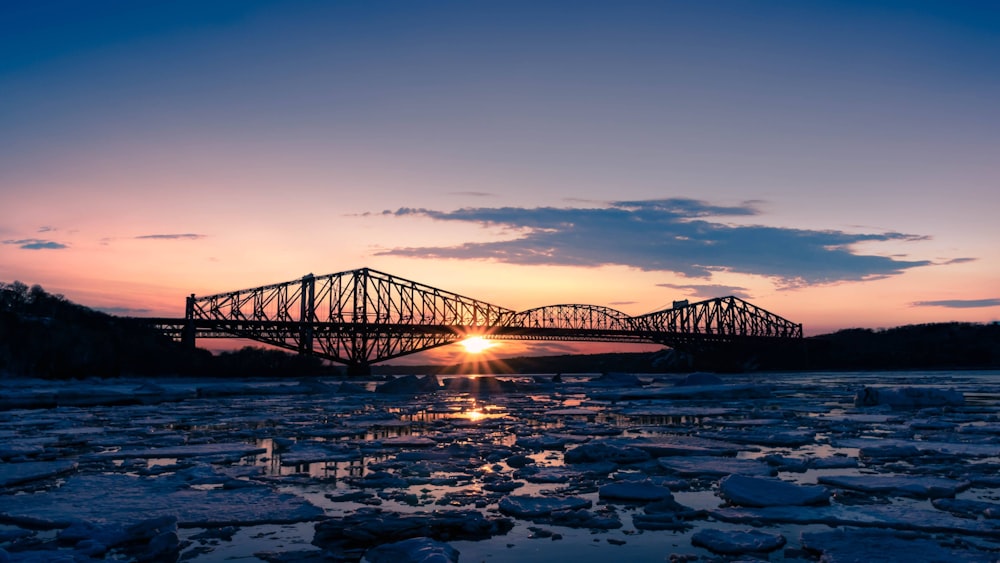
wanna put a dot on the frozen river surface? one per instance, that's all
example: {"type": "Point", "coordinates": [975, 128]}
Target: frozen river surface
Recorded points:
{"type": "Point", "coordinates": [774, 467]}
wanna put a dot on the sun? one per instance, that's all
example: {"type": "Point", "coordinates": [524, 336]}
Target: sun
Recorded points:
{"type": "Point", "coordinates": [476, 344]}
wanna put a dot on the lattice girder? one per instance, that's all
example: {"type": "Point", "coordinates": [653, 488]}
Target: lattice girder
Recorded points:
{"type": "Point", "coordinates": [363, 316]}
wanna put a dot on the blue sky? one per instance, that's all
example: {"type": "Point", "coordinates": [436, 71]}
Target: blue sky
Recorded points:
{"type": "Point", "coordinates": [834, 162]}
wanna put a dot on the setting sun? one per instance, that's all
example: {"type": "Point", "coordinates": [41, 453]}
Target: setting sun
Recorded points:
{"type": "Point", "coordinates": [476, 344]}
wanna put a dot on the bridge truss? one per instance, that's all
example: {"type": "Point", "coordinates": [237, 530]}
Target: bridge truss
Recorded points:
{"type": "Point", "coordinates": [360, 317]}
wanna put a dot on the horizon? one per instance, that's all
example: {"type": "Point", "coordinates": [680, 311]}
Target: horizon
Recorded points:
{"type": "Point", "coordinates": [833, 163]}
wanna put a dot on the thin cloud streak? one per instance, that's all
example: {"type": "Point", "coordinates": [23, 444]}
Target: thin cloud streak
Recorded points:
{"type": "Point", "coordinates": [184, 236]}
{"type": "Point", "coordinates": [960, 303]}
{"type": "Point", "coordinates": [669, 235]}
{"type": "Point", "coordinates": [37, 244]}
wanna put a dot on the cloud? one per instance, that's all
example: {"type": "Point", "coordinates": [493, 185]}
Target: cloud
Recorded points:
{"type": "Point", "coordinates": [670, 235]}
{"type": "Point", "coordinates": [960, 303]}
{"type": "Point", "coordinates": [37, 244]}
{"type": "Point", "coordinates": [46, 229]}
{"type": "Point", "coordinates": [473, 194]}
{"type": "Point", "coordinates": [184, 236]}
{"type": "Point", "coordinates": [710, 291]}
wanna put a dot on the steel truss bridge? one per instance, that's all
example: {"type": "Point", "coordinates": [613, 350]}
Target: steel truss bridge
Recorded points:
{"type": "Point", "coordinates": [361, 317]}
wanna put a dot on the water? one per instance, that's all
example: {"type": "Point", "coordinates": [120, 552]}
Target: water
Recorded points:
{"type": "Point", "coordinates": [323, 447]}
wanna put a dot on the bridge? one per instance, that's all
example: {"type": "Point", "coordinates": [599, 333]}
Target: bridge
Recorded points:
{"type": "Point", "coordinates": [361, 317]}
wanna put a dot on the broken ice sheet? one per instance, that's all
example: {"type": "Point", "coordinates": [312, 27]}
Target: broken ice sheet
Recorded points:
{"type": "Point", "coordinates": [126, 499]}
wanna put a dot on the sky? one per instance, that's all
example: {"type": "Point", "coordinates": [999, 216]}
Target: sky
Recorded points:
{"type": "Point", "coordinates": [834, 162]}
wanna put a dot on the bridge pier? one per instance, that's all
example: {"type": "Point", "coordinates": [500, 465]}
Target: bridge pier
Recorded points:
{"type": "Point", "coordinates": [359, 369]}
{"type": "Point", "coordinates": [188, 333]}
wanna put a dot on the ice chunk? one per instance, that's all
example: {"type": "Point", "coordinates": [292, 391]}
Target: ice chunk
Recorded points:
{"type": "Point", "coordinates": [755, 491]}
{"type": "Point", "coordinates": [119, 498]}
{"type": "Point", "coordinates": [893, 516]}
{"type": "Point", "coordinates": [615, 379]}
{"type": "Point", "coordinates": [228, 450]}
{"type": "Point", "coordinates": [603, 451]}
{"type": "Point", "coordinates": [700, 378]}
{"type": "Point", "coordinates": [687, 446]}
{"type": "Point", "coordinates": [413, 550]}
{"type": "Point", "coordinates": [908, 397]}
{"type": "Point", "coordinates": [849, 545]}
{"type": "Point", "coordinates": [17, 473]}
{"type": "Point", "coordinates": [968, 507]}
{"type": "Point", "coordinates": [984, 449]}
{"type": "Point", "coordinates": [368, 527]}
{"type": "Point", "coordinates": [530, 507]}
{"type": "Point", "coordinates": [734, 542]}
{"type": "Point", "coordinates": [897, 485]}
{"type": "Point", "coordinates": [409, 384]}
{"type": "Point", "coordinates": [634, 491]}
{"type": "Point", "coordinates": [707, 466]}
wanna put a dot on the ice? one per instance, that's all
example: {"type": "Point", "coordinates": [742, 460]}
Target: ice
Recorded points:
{"type": "Point", "coordinates": [908, 397]}
{"type": "Point", "coordinates": [850, 546]}
{"type": "Point", "coordinates": [605, 451]}
{"type": "Point", "coordinates": [530, 507]}
{"type": "Point", "coordinates": [708, 466]}
{"type": "Point", "coordinates": [970, 508]}
{"type": "Point", "coordinates": [736, 542]}
{"type": "Point", "coordinates": [369, 527]}
{"type": "Point", "coordinates": [226, 450]}
{"type": "Point", "coordinates": [274, 465]}
{"type": "Point", "coordinates": [755, 491]}
{"type": "Point", "coordinates": [687, 445]}
{"type": "Point", "coordinates": [17, 473]}
{"type": "Point", "coordinates": [891, 516]}
{"type": "Point", "coordinates": [414, 550]}
{"type": "Point", "coordinates": [700, 378]}
{"type": "Point", "coordinates": [134, 499]}
{"type": "Point", "coordinates": [892, 446]}
{"type": "Point", "coordinates": [634, 491]}
{"type": "Point", "coordinates": [901, 485]}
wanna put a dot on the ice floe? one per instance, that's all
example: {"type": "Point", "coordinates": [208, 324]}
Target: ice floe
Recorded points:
{"type": "Point", "coordinates": [756, 491]}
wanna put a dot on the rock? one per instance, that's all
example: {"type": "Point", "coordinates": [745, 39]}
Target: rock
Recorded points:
{"type": "Point", "coordinates": [755, 491]}
{"type": "Point", "coordinates": [728, 542]}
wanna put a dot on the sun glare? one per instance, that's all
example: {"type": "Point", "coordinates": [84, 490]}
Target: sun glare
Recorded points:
{"type": "Point", "coordinates": [476, 344]}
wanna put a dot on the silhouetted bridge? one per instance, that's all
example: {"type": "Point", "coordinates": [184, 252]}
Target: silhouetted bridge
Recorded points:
{"type": "Point", "coordinates": [364, 316]}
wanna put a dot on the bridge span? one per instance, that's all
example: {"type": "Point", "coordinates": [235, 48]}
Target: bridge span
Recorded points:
{"type": "Point", "coordinates": [361, 317]}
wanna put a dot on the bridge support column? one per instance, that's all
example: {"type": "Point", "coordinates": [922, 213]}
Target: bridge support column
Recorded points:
{"type": "Point", "coordinates": [307, 313]}
{"type": "Point", "coordinates": [188, 335]}
{"type": "Point", "coordinates": [359, 369]}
